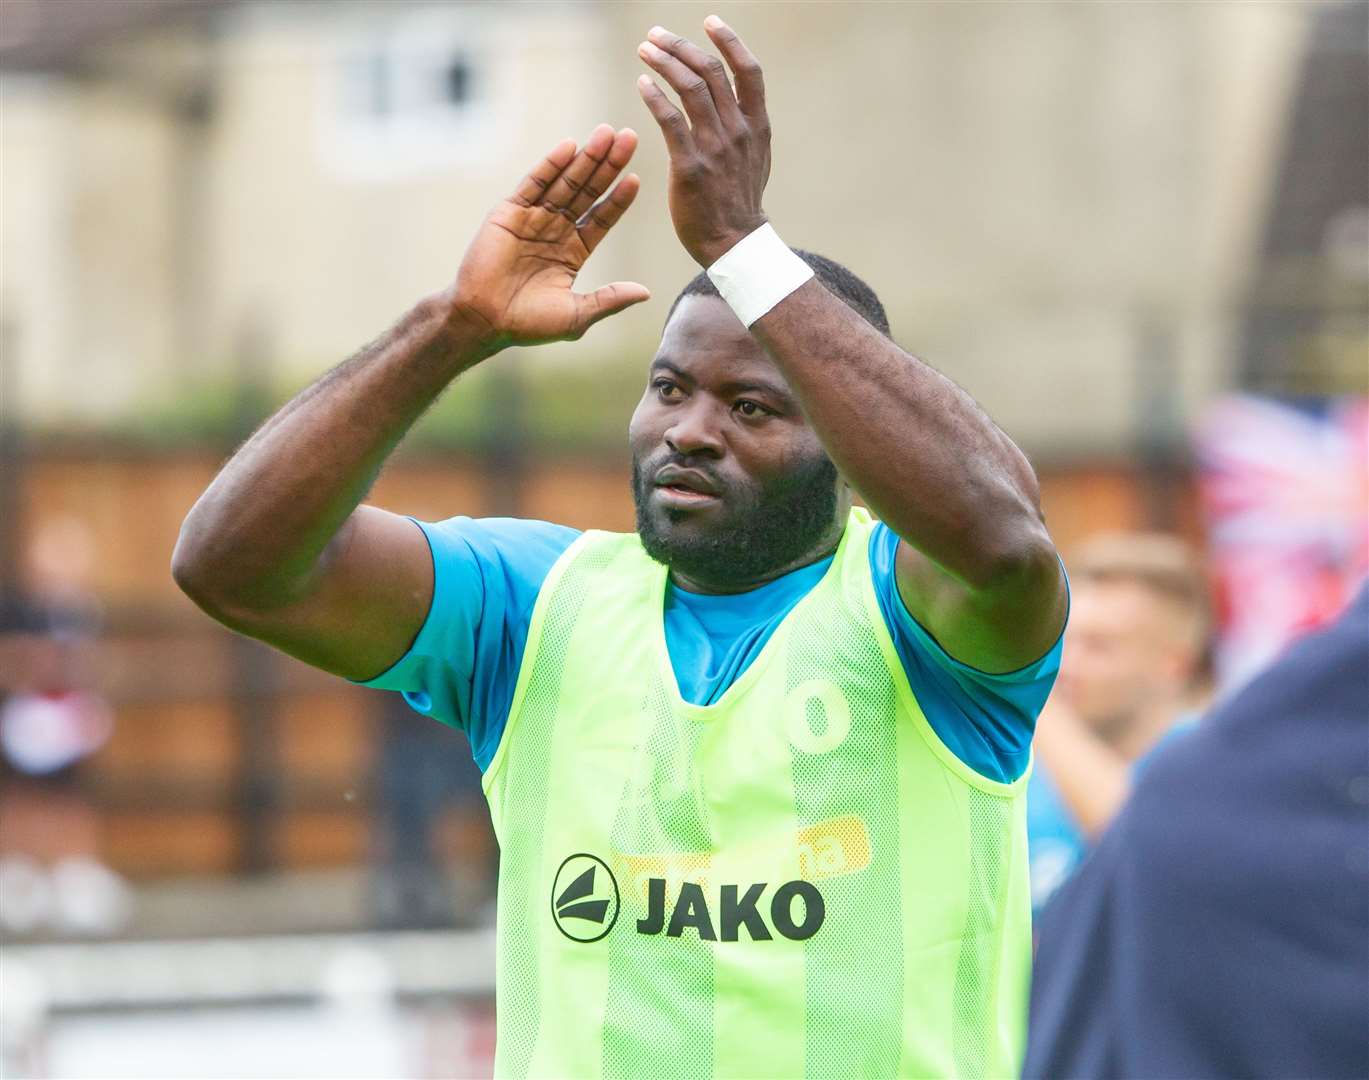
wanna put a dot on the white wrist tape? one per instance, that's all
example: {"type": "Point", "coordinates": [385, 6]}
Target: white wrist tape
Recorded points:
{"type": "Point", "coordinates": [756, 273]}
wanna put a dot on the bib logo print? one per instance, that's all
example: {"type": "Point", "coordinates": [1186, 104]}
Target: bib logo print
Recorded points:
{"type": "Point", "coordinates": [683, 900]}
{"type": "Point", "coordinates": [584, 898]}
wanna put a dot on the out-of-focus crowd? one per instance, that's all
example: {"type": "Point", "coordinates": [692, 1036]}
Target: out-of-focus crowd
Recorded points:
{"type": "Point", "coordinates": [52, 718]}
{"type": "Point", "coordinates": [1136, 671]}
{"type": "Point", "coordinates": [54, 881]}
{"type": "Point", "coordinates": [1220, 924]}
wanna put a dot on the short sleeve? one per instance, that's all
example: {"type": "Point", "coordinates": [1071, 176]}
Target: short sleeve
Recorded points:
{"type": "Point", "coordinates": [462, 666]}
{"type": "Point", "coordinates": [986, 720]}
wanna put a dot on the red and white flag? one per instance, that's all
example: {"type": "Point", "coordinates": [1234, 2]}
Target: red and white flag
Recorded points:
{"type": "Point", "coordinates": [1285, 491]}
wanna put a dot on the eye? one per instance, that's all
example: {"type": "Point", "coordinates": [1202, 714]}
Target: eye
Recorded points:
{"type": "Point", "coordinates": [751, 409]}
{"type": "Point", "coordinates": [664, 387]}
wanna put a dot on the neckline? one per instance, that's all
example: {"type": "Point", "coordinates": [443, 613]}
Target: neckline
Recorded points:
{"type": "Point", "coordinates": [754, 669]}
{"type": "Point", "coordinates": [794, 582]}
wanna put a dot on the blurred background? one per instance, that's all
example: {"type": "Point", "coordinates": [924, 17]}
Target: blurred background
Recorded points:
{"type": "Point", "coordinates": [1137, 233]}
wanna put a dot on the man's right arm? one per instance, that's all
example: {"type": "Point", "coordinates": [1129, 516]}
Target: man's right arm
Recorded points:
{"type": "Point", "coordinates": [279, 547]}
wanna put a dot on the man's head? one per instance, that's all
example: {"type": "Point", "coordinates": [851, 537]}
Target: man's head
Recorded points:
{"type": "Point", "coordinates": [1136, 647]}
{"type": "Point", "coordinates": [731, 483]}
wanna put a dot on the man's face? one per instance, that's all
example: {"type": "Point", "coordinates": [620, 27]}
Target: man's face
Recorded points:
{"type": "Point", "coordinates": [731, 483]}
{"type": "Point", "coordinates": [1123, 654]}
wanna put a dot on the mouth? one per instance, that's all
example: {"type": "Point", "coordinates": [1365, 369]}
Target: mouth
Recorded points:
{"type": "Point", "coordinates": [685, 487]}
{"type": "Point", "coordinates": [683, 496]}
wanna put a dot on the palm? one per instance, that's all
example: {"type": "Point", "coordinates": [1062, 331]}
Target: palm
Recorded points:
{"type": "Point", "coordinates": [519, 272]}
{"type": "Point", "coordinates": [524, 262]}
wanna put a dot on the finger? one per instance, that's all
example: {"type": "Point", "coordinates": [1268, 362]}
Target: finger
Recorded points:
{"type": "Point", "coordinates": [603, 215]}
{"type": "Point", "coordinates": [609, 300]}
{"type": "Point", "coordinates": [705, 65]}
{"type": "Point", "coordinates": [535, 184]}
{"type": "Point", "coordinates": [679, 140]}
{"type": "Point", "coordinates": [746, 69]}
{"type": "Point", "coordinates": [619, 154]}
{"type": "Point", "coordinates": [571, 182]}
{"type": "Point", "coordinates": [694, 93]}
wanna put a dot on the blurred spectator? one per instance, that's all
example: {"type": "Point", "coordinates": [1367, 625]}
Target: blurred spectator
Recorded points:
{"type": "Point", "coordinates": [1135, 669]}
{"type": "Point", "coordinates": [1221, 928]}
{"type": "Point", "coordinates": [50, 720]}
{"type": "Point", "coordinates": [425, 769]}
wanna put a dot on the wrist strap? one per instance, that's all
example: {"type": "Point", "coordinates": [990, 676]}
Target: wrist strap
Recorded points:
{"type": "Point", "coordinates": [757, 272]}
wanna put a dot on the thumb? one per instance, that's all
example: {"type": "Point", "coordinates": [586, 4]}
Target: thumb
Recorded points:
{"type": "Point", "coordinates": [609, 300]}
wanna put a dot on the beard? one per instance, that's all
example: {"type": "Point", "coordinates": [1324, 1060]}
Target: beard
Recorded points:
{"type": "Point", "coordinates": [754, 531]}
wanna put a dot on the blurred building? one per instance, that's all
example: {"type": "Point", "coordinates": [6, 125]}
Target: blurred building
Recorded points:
{"type": "Point", "coordinates": [1064, 206]}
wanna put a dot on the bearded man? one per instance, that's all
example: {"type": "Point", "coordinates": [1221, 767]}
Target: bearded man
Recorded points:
{"type": "Point", "coordinates": [757, 769]}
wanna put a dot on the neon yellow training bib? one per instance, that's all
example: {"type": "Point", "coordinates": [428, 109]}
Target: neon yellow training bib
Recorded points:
{"type": "Point", "coordinates": [799, 880]}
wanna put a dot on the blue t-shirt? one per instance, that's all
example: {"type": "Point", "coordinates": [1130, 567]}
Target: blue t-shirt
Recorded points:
{"type": "Point", "coordinates": [463, 665]}
{"type": "Point", "coordinates": [1056, 843]}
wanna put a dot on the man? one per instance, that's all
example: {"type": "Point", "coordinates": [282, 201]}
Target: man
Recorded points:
{"type": "Point", "coordinates": [1135, 666]}
{"type": "Point", "coordinates": [756, 770]}
{"type": "Point", "coordinates": [1221, 928]}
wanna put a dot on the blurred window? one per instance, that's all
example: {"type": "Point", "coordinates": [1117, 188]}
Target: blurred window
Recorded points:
{"type": "Point", "coordinates": [406, 96]}
{"type": "Point", "coordinates": [458, 81]}
{"type": "Point", "coordinates": [382, 86]}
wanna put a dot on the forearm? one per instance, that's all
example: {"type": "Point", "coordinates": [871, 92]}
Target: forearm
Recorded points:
{"type": "Point", "coordinates": [975, 564]}
{"type": "Point", "coordinates": [917, 447]}
{"type": "Point", "coordinates": [259, 531]}
{"type": "Point", "coordinates": [1093, 779]}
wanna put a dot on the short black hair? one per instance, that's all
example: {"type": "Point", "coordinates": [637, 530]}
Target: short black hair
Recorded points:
{"type": "Point", "coordinates": [835, 277]}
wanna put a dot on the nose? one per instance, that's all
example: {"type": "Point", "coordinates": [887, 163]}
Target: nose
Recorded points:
{"type": "Point", "coordinates": [694, 429]}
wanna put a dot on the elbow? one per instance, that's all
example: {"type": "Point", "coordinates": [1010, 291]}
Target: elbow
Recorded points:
{"type": "Point", "coordinates": [1020, 557]}
{"type": "Point", "coordinates": [221, 576]}
{"type": "Point", "coordinates": [191, 572]}
{"type": "Point", "coordinates": [203, 577]}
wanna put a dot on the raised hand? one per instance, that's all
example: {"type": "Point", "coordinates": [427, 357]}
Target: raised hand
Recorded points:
{"type": "Point", "coordinates": [515, 281]}
{"type": "Point", "coordinates": [720, 155]}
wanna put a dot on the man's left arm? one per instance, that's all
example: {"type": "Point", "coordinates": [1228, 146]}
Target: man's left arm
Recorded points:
{"type": "Point", "coordinates": [975, 566]}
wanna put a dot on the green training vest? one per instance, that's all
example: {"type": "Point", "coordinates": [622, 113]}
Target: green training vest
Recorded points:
{"type": "Point", "coordinates": [799, 880]}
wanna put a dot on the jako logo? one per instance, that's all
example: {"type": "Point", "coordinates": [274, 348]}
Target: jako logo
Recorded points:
{"type": "Point", "coordinates": [585, 903]}
{"type": "Point", "coordinates": [734, 912]}
{"type": "Point", "coordinates": [584, 898]}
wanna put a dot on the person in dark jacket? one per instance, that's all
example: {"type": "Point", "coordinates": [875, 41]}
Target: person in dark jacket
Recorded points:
{"type": "Point", "coordinates": [1221, 927]}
